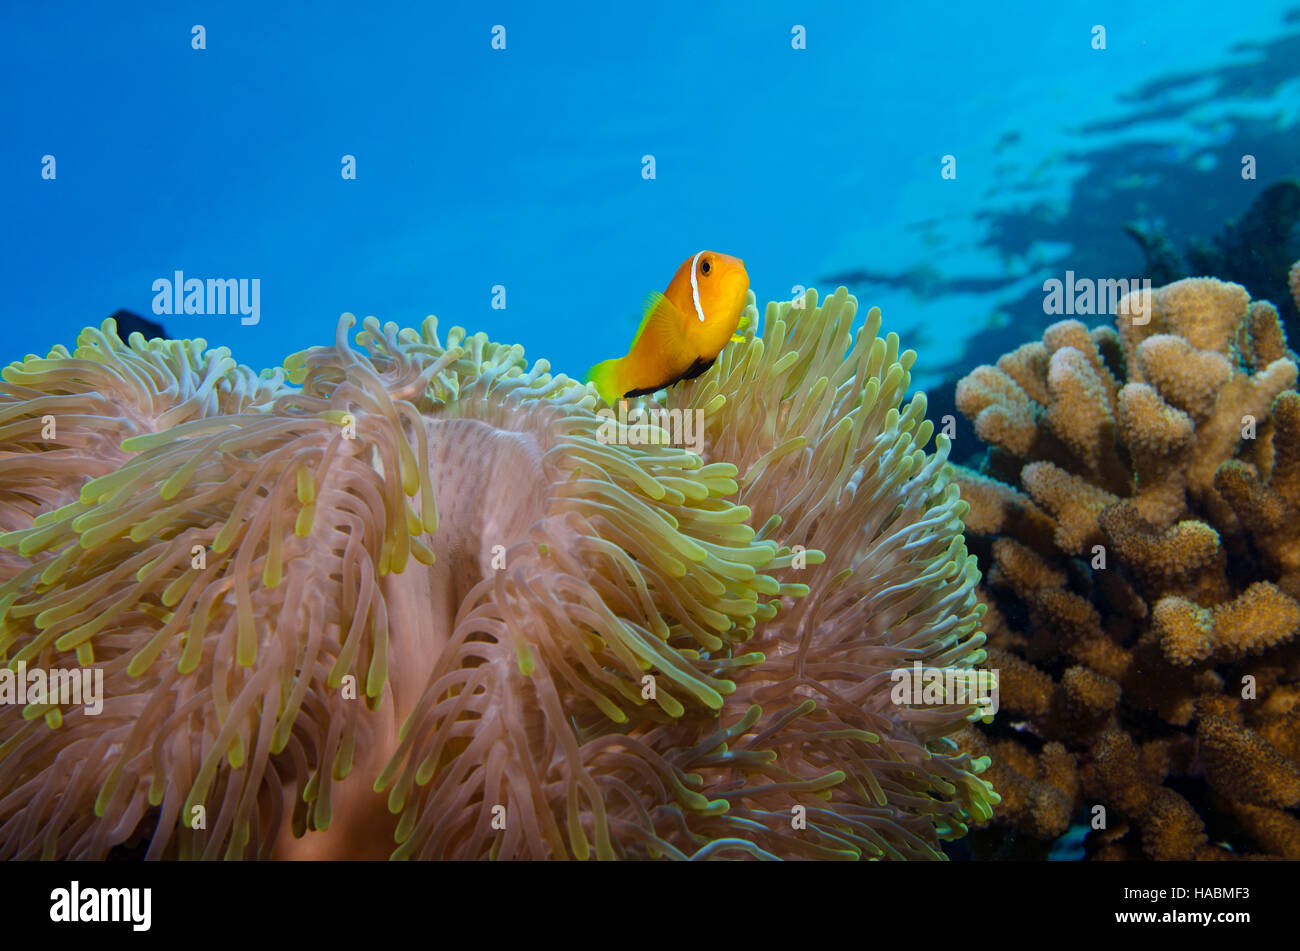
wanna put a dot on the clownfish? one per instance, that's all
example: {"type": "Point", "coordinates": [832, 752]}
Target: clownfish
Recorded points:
{"type": "Point", "coordinates": [682, 330]}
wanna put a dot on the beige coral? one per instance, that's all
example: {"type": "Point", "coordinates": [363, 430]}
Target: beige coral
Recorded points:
{"type": "Point", "coordinates": [1258, 618]}
{"type": "Point", "coordinates": [1244, 766]}
{"type": "Point", "coordinates": [1002, 413]}
{"type": "Point", "coordinates": [1072, 500]}
{"type": "Point", "coordinates": [1138, 537]}
{"type": "Point", "coordinates": [1039, 793]}
{"type": "Point", "coordinates": [1267, 505]}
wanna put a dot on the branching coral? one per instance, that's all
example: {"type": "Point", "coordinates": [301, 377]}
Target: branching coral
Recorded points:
{"type": "Point", "coordinates": [1136, 516]}
{"type": "Point", "coordinates": [408, 592]}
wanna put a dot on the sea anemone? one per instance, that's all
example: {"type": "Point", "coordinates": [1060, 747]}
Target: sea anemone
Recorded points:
{"type": "Point", "coordinates": [415, 593]}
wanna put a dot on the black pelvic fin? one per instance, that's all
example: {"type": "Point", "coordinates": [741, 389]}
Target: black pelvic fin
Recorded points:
{"type": "Point", "coordinates": [698, 367]}
{"type": "Point", "coordinates": [694, 370]}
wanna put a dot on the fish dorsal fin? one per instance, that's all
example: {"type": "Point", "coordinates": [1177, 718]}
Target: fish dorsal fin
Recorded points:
{"type": "Point", "coordinates": [655, 302]}
{"type": "Point", "coordinates": [663, 328]}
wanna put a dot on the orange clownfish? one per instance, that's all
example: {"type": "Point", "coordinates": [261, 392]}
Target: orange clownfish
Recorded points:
{"type": "Point", "coordinates": [682, 330]}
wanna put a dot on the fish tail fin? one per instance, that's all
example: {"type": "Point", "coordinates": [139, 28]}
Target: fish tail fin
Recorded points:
{"type": "Point", "coordinates": [605, 376]}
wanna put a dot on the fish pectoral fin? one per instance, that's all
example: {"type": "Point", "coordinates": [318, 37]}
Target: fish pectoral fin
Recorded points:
{"type": "Point", "coordinates": [736, 335]}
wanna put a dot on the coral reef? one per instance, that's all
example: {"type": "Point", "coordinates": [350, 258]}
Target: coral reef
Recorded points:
{"type": "Point", "coordinates": [1252, 250]}
{"type": "Point", "coordinates": [1135, 518]}
{"type": "Point", "coordinates": [413, 593]}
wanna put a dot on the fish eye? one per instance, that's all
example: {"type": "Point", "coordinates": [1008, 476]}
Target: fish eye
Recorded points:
{"type": "Point", "coordinates": [705, 267]}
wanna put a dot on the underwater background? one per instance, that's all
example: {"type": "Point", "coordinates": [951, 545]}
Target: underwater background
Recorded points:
{"type": "Point", "coordinates": [478, 167]}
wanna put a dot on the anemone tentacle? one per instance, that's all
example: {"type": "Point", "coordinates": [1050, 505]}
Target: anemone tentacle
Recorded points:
{"type": "Point", "coordinates": [420, 593]}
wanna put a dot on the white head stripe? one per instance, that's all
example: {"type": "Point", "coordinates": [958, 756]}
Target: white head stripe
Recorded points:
{"type": "Point", "coordinates": [695, 286]}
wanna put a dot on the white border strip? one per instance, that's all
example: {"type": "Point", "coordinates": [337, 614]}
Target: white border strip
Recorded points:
{"type": "Point", "coordinates": [695, 286]}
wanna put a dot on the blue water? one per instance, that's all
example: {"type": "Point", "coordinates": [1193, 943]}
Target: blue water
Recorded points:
{"type": "Point", "coordinates": [523, 167]}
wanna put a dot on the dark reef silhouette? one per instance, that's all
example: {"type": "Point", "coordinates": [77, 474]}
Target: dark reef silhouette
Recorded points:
{"type": "Point", "coordinates": [128, 322]}
{"type": "Point", "coordinates": [1183, 218]}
